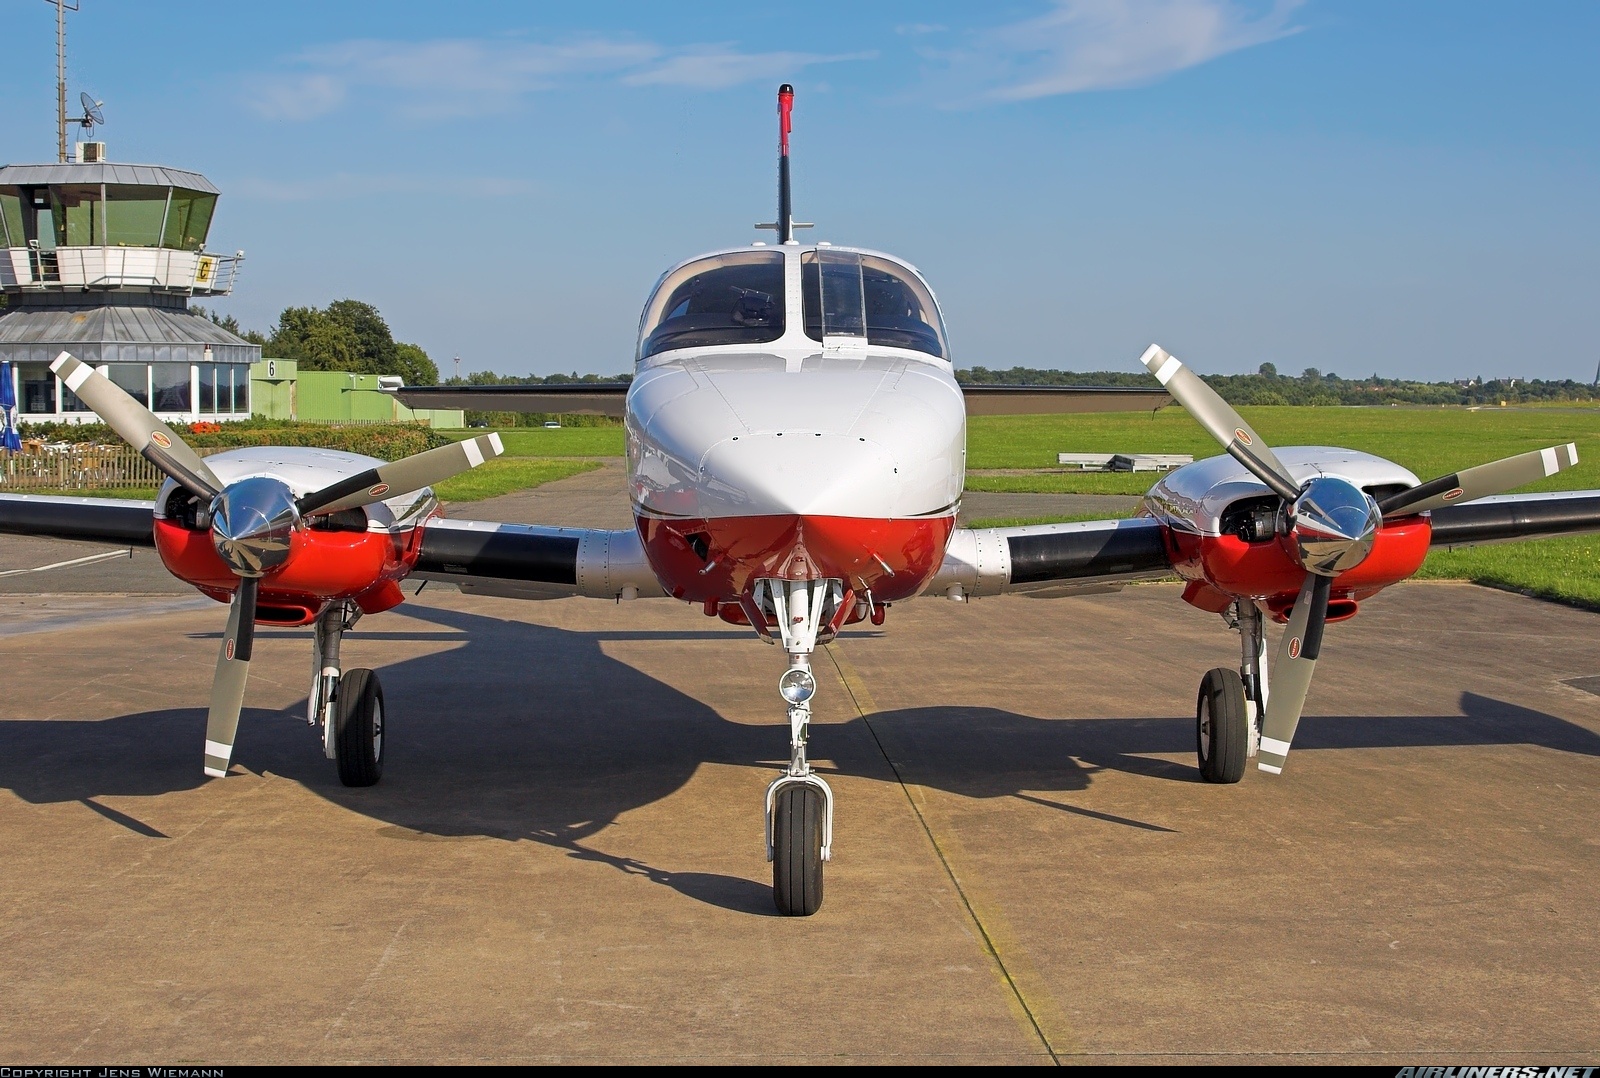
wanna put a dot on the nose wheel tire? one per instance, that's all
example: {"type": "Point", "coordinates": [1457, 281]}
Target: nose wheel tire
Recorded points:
{"type": "Point", "coordinates": [797, 850]}
{"type": "Point", "coordinates": [359, 728]}
{"type": "Point", "coordinates": [1222, 726]}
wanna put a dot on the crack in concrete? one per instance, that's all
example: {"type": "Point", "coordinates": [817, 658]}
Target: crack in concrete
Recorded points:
{"type": "Point", "coordinates": [861, 699]}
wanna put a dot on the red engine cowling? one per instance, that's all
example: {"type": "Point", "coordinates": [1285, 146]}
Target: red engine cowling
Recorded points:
{"type": "Point", "coordinates": [1223, 568]}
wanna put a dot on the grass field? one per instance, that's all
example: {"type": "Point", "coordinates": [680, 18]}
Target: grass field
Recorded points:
{"type": "Point", "coordinates": [561, 442]}
{"type": "Point", "coordinates": [1430, 442]}
{"type": "Point", "coordinates": [502, 476]}
{"type": "Point", "coordinates": [135, 494]}
{"type": "Point", "coordinates": [488, 480]}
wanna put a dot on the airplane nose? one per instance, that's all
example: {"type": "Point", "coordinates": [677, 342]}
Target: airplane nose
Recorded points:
{"type": "Point", "coordinates": [799, 473]}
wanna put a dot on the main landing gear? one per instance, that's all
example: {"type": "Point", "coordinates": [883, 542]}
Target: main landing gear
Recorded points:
{"type": "Point", "coordinates": [799, 803]}
{"type": "Point", "coordinates": [1231, 704]}
{"type": "Point", "coordinates": [348, 704]}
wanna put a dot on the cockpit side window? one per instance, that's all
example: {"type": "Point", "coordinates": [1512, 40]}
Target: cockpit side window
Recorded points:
{"type": "Point", "coordinates": [727, 299]}
{"type": "Point", "coordinates": [899, 311]}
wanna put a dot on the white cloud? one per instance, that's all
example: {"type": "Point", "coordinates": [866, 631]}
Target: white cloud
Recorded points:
{"type": "Point", "coordinates": [1084, 45]}
{"type": "Point", "coordinates": [345, 185]}
{"type": "Point", "coordinates": [716, 67]}
{"type": "Point", "coordinates": [300, 98]}
{"type": "Point", "coordinates": [466, 76]}
{"type": "Point", "coordinates": [444, 77]}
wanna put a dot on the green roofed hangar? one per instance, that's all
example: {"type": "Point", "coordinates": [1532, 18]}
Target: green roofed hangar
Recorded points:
{"type": "Point", "coordinates": [280, 390]}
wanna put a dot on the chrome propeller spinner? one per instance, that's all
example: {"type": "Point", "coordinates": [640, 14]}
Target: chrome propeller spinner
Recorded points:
{"type": "Point", "coordinates": [251, 524]}
{"type": "Point", "coordinates": [1334, 524]}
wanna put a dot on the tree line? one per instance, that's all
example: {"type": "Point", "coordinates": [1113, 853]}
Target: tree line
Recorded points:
{"type": "Point", "coordinates": [349, 335]}
{"type": "Point", "coordinates": [1311, 387]}
{"type": "Point", "coordinates": [346, 335]}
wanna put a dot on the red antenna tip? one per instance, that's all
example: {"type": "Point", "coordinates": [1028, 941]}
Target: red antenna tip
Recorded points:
{"type": "Point", "coordinates": [785, 123]}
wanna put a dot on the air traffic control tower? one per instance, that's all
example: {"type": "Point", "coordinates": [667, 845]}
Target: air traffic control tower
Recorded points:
{"type": "Point", "coordinates": [100, 260]}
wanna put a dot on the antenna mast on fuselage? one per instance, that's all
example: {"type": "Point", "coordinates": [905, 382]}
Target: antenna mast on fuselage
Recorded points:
{"type": "Point", "coordinates": [785, 224]}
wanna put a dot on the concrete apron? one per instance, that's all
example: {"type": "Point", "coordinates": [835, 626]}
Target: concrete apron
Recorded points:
{"type": "Point", "coordinates": [563, 861]}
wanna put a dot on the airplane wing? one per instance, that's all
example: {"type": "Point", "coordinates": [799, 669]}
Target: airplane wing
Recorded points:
{"type": "Point", "coordinates": [1061, 400]}
{"type": "Point", "coordinates": [566, 398]}
{"type": "Point", "coordinates": [518, 560]}
{"type": "Point", "coordinates": [106, 520]}
{"type": "Point", "coordinates": [1509, 517]}
{"type": "Point", "coordinates": [526, 561]}
{"type": "Point", "coordinates": [1041, 560]}
{"type": "Point", "coordinates": [1056, 560]}
{"type": "Point", "coordinates": [608, 398]}
{"type": "Point", "coordinates": [1052, 560]}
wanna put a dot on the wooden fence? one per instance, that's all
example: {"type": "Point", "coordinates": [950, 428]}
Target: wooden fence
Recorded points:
{"type": "Point", "coordinates": [77, 467]}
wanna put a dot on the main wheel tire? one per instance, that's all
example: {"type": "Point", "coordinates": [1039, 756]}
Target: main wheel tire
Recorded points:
{"type": "Point", "coordinates": [1222, 726]}
{"type": "Point", "coordinates": [359, 728]}
{"type": "Point", "coordinates": [797, 850]}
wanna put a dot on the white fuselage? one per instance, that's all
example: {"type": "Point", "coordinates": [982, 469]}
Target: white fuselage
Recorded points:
{"type": "Point", "coordinates": [810, 452]}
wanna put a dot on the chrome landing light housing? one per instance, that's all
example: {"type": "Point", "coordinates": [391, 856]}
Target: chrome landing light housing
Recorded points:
{"type": "Point", "coordinates": [1334, 524]}
{"type": "Point", "coordinates": [251, 522]}
{"type": "Point", "coordinates": [796, 686]}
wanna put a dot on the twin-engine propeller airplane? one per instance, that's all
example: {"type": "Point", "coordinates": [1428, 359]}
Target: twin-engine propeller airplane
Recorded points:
{"type": "Point", "coordinates": [796, 447]}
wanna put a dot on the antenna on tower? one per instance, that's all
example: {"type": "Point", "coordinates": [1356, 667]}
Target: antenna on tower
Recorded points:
{"type": "Point", "coordinates": [62, 7]}
{"type": "Point", "coordinates": [91, 114]}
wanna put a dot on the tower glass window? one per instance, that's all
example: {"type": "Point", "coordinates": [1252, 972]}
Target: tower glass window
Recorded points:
{"type": "Point", "coordinates": [134, 215]}
{"type": "Point", "coordinates": [11, 218]}
{"type": "Point", "coordinates": [78, 215]}
{"type": "Point", "coordinates": [208, 388]}
{"type": "Point", "coordinates": [132, 378]}
{"type": "Point", "coordinates": [38, 387]}
{"type": "Point", "coordinates": [188, 220]}
{"type": "Point", "coordinates": [170, 384]}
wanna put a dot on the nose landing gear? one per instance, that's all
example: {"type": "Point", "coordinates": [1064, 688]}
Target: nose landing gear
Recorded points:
{"type": "Point", "coordinates": [799, 804]}
{"type": "Point", "coordinates": [799, 816]}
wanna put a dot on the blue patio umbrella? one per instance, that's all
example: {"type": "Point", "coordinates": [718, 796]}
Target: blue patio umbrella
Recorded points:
{"type": "Point", "coordinates": [8, 411]}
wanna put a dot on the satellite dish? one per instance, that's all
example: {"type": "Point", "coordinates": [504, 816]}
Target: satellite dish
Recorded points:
{"type": "Point", "coordinates": [91, 111]}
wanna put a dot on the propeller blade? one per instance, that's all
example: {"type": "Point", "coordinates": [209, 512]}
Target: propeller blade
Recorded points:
{"type": "Point", "coordinates": [1291, 680]}
{"type": "Point", "coordinates": [138, 426]}
{"type": "Point", "coordinates": [227, 686]}
{"type": "Point", "coordinates": [1218, 417]}
{"type": "Point", "coordinates": [1496, 477]}
{"type": "Point", "coordinates": [402, 476]}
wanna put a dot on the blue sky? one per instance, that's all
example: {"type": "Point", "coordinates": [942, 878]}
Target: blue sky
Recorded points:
{"type": "Point", "coordinates": [1354, 186]}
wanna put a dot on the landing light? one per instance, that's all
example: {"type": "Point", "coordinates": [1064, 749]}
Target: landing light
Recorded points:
{"type": "Point", "coordinates": [797, 685]}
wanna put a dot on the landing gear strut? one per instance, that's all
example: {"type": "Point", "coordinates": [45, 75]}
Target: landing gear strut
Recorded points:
{"type": "Point", "coordinates": [347, 704]}
{"type": "Point", "coordinates": [1230, 706]}
{"type": "Point", "coordinates": [799, 803]}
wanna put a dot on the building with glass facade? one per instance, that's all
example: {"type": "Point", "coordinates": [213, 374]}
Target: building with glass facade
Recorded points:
{"type": "Point", "coordinates": [100, 260]}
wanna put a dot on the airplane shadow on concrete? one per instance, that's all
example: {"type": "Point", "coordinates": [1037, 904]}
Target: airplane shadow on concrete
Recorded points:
{"type": "Point", "coordinates": [530, 732]}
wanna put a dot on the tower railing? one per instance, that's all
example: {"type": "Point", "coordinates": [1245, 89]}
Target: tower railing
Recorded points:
{"type": "Point", "coordinates": [194, 273]}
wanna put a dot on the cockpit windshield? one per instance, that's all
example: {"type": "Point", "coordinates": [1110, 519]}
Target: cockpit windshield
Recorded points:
{"type": "Point", "coordinates": [849, 294]}
{"type": "Point", "coordinates": [732, 298]}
